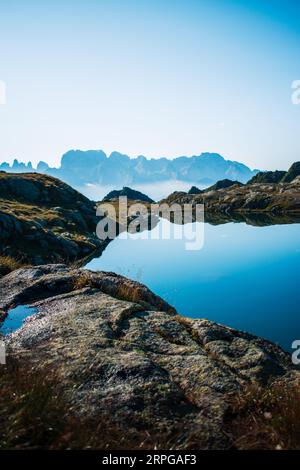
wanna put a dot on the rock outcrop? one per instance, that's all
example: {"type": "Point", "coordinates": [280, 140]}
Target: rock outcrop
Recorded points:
{"type": "Point", "coordinates": [277, 176]}
{"type": "Point", "coordinates": [118, 348]}
{"type": "Point", "coordinates": [44, 220]}
{"type": "Point", "coordinates": [268, 177]}
{"type": "Point", "coordinates": [281, 198]}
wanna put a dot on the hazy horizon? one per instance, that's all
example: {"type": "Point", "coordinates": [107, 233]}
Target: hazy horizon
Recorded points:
{"type": "Point", "coordinates": [166, 78]}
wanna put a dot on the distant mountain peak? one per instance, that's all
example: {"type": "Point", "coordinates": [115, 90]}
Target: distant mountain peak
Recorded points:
{"type": "Point", "coordinates": [79, 167]}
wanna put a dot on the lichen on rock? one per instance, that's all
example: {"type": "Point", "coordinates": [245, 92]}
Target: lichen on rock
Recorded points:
{"type": "Point", "coordinates": [119, 348]}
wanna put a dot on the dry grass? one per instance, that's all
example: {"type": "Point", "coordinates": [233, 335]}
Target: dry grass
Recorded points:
{"type": "Point", "coordinates": [9, 264]}
{"type": "Point", "coordinates": [30, 213]}
{"type": "Point", "coordinates": [83, 280]}
{"type": "Point", "coordinates": [35, 414]}
{"type": "Point", "coordinates": [122, 289]}
{"type": "Point", "coordinates": [129, 292]}
{"type": "Point", "coordinates": [267, 418]}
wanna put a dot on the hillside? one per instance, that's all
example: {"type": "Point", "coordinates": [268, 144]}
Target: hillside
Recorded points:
{"type": "Point", "coordinates": [44, 220]}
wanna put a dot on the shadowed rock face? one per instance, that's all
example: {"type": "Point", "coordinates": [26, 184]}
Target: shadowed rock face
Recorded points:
{"type": "Point", "coordinates": [292, 173]}
{"type": "Point", "coordinates": [44, 220]}
{"type": "Point", "coordinates": [119, 348]}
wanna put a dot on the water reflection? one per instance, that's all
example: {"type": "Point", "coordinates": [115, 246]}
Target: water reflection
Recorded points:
{"type": "Point", "coordinates": [245, 276]}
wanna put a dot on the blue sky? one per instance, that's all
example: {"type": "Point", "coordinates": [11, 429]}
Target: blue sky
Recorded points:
{"type": "Point", "coordinates": [159, 78]}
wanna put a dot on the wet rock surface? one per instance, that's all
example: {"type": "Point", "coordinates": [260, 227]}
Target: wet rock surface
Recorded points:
{"type": "Point", "coordinates": [119, 348]}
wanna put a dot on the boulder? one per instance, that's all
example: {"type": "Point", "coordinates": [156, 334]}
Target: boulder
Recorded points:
{"type": "Point", "coordinates": [117, 348]}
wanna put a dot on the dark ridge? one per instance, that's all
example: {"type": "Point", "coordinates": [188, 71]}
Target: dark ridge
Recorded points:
{"type": "Point", "coordinates": [223, 184]}
{"type": "Point", "coordinates": [195, 190]}
{"type": "Point", "coordinates": [129, 193]}
{"type": "Point", "coordinates": [268, 177]}
{"type": "Point", "coordinates": [277, 176]}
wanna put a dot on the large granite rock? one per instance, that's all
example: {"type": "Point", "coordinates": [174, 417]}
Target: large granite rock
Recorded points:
{"type": "Point", "coordinates": [119, 349]}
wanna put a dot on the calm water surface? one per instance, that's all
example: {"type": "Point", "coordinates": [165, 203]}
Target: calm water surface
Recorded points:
{"type": "Point", "coordinates": [245, 277]}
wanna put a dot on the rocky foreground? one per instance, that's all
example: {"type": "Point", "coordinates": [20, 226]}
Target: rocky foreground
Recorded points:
{"type": "Point", "coordinates": [120, 351]}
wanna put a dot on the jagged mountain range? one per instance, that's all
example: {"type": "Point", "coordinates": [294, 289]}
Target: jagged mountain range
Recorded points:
{"type": "Point", "coordinates": [95, 167]}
